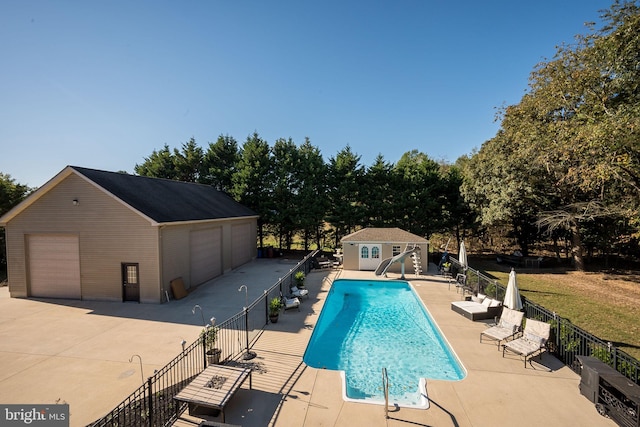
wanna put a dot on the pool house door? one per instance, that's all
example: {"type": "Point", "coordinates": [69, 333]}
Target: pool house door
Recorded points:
{"type": "Point", "coordinates": [370, 256]}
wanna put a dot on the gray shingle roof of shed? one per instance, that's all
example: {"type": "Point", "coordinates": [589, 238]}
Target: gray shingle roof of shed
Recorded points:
{"type": "Point", "coordinates": [389, 235]}
{"type": "Point", "coordinates": [164, 200]}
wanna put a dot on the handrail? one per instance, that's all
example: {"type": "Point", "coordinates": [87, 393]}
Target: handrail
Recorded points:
{"type": "Point", "coordinates": [385, 387]}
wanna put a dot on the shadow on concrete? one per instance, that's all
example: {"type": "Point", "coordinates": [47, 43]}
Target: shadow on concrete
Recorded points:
{"type": "Point", "coordinates": [219, 297]}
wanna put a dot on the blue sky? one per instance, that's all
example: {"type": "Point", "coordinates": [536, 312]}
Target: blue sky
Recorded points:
{"type": "Point", "coordinates": [101, 84]}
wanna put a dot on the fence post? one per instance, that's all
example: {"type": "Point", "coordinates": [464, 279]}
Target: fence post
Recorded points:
{"type": "Point", "coordinates": [203, 343]}
{"type": "Point", "coordinates": [246, 328]}
{"type": "Point", "coordinates": [557, 320]}
{"type": "Point", "coordinates": [266, 307]}
{"type": "Point", "coordinates": [149, 387]}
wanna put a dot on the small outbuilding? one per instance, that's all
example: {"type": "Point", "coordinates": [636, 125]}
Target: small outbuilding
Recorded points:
{"type": "Point", "coordinates": [367, 248]}
{"type": "Point", "coordinates": [96, 235]}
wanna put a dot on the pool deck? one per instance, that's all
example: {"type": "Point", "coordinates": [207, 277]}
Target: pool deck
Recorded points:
{"type": "Point", "coordinates": [79, 352]}
{"type": "Point", "coordinates": [496, 392]}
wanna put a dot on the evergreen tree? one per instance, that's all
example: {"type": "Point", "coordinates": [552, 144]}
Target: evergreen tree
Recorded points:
{"type": "Point", "coordinates": [253, 182]}
{"type": "Point", "coordinates": [160, 164]}
{"type": "Point", "coordinates": [345, 181]}
{"type": "Point", "coordinates": [221, 162]}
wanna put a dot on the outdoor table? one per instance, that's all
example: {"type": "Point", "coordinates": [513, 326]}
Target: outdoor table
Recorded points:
{"type": "Point", "coordinates": [214, 387]}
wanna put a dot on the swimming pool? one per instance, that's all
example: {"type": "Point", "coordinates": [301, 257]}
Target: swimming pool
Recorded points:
{"type": "Point", "coordinates": [366, 325]}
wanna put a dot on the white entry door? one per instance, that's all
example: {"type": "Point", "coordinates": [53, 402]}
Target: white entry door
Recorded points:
{"type": "Point", "coordinates": [369, 255]}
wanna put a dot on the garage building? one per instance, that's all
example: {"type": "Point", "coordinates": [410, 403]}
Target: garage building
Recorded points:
{"type": "Point", "coordinates": [96, 235]}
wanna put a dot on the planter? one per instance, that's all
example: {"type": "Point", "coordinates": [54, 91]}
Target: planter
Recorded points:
{"type": "Point", "coordinates": [274, 309]}
{"type": "Point", "coordinates": [213, 356]}
{"type": "Point", "coordinates": [299, 279]}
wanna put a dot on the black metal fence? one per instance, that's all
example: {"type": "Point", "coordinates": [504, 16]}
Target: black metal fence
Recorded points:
{"type": "Point", "coordinates": [152, 404]}
{"type": "Point", "coordinates": [567, 340]}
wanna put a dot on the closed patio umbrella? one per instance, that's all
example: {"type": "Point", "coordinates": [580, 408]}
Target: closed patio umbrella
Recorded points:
{"type": "Point", "coordinates": [462, 256]}
{"type": "Point", "coordinates": [512, 295]}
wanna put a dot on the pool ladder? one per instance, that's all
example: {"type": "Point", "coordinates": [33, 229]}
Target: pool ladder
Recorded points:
{"type": "Point", "coordinates": [385, 388]}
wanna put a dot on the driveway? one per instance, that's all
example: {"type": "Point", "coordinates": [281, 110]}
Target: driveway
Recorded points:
{"type": "Point", "coordinates": [78, 352]}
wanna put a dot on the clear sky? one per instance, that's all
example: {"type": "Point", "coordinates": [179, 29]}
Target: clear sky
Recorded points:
{"type": "Point", "coordinates": [101, 84]}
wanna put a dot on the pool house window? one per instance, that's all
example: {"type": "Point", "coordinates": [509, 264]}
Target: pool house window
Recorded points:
{"type": "Point", "coordinates": [364, 252]}
{"type": "Point", "coordinates": [375, 252]}
{"type": "Point", "coordinates": [396, 250]}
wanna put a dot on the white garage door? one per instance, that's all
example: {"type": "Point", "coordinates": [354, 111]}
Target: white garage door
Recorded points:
{"type": "Point", "coordinates": [54, 266]}
{"type": "Point", "coordinates": [240, 244]}
{"type": "Point", "coordinates": [205, 254]}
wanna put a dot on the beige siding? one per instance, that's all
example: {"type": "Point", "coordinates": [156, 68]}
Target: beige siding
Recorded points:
{"type": "Point", "coordinates": [241, 244]}
{"type": "Point", "coordinates": [16, 265]}
{"type": "Point", "coordinates": [352, 256]}
{"type": "Point", "coordinates": [175, 239]}
{"type": "Point", "coordinates": [205, 251]}
{"type": "Point", "coordinates": [109, 234]}
{"type": "Point", "coordinates": [175, 254]}
{"type": "Point", "coordinates": [176, 257]}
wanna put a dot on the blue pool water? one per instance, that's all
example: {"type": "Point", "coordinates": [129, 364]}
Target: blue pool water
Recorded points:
{"type": "Point", "coordinates": [366, 325]}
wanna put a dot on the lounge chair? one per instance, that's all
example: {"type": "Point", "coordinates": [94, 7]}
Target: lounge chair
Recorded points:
{"type": "Point", "coordinates": [478, 307]}
{"type": "Point", "coordinates": [289, 302]}
{"type": "Point", "coordinates": [509, 325]}
{"type": "Point", "coordinates": [533, 340]}
{"type": "Point", "coordinates": [297, 292]}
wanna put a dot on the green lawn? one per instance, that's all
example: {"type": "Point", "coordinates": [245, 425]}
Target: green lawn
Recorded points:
{"type": "Point", "coordinates": [608, 308]}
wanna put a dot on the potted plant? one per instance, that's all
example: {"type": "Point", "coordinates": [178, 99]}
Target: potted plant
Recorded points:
{"type": "Point", "coordinates": [209, 335]}
{"type": "Point", "coordinates": [299, 279]}
{"type": "Point", "coordinates": [274, 309]}
{"type": "Point", "coordinates": [446, 267]}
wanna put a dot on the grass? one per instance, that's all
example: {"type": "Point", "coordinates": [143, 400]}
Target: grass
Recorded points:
{"type": "Point", "coordinates": [605, 305]}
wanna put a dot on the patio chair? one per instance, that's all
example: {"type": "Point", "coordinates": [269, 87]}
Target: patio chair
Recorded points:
{"type": "Point", "coordinates": [297, 292]}
{"type": "Point", "coordinates": [509, 326]}
{"type": "Point", "coordinates": [461, 282]}
{"type": "Point", "coordinates": [289, 302]}
{"type": "Point", "coordinates": [532, 342]}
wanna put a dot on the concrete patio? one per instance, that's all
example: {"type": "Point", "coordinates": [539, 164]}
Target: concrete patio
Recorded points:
{"type": "Point", "coordinates": [497, 391]}
{"type": "Point", "coordinates": [78, 352]}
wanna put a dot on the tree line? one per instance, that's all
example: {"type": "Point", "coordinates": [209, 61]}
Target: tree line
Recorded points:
{"type": "Point", "coordinates": [297, 193]}
{"type": "Point", "coordinates": [563, 167]}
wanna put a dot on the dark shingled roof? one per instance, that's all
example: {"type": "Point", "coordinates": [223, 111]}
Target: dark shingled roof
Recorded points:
{"type": "Point", "coordinates": [164, 200]}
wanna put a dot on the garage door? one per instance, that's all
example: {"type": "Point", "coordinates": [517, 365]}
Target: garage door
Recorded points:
{"type": "Point", "coordinates": [205, 254]}
{"type": "Point", "coordinates": [54, 266]}
{"type": "Point", "coordinates": [240, 244]}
